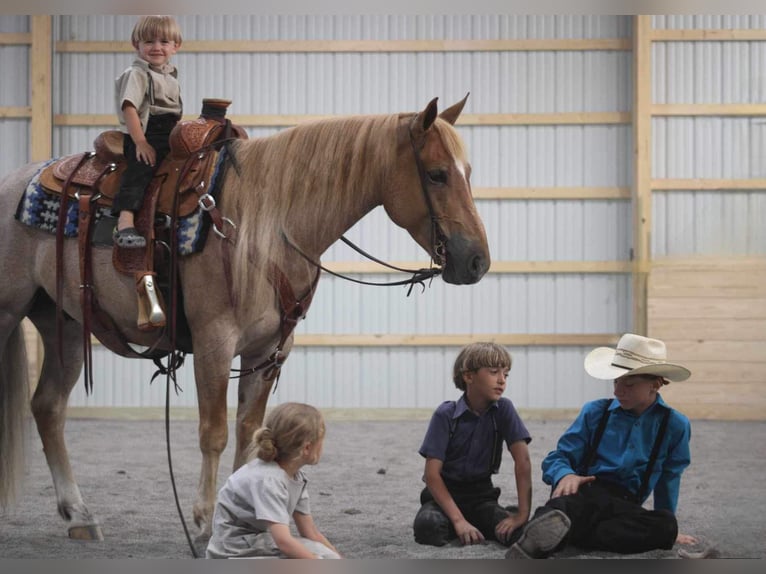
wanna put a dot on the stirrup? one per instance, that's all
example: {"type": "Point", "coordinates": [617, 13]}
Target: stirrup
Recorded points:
{"type": "Point", "coordinates": [128, 238]}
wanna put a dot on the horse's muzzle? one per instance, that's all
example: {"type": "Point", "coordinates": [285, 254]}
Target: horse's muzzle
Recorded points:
{"type": "Point", "coordinates": [467, 261]}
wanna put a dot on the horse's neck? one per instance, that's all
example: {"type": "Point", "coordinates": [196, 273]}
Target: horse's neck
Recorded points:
{"type": "Point", "coordinates": [320, 237]}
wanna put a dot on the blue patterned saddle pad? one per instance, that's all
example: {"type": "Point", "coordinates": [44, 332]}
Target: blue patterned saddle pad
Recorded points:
{"type": "Point", "coordinates": [40, 210]}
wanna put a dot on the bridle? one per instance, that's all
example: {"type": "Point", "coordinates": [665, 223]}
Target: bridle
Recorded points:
{"type": "Point", "coordinates": [438, 240]}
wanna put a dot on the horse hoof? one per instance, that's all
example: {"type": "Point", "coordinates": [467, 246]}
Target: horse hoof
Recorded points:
{"type": "Point", "coordinates": [87, 532]}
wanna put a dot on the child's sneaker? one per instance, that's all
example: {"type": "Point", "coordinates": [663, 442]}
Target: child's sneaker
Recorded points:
{"type": "Point", "coordinates": [541, 536]}
{"type": "Point", "coordinates": [128, 238]}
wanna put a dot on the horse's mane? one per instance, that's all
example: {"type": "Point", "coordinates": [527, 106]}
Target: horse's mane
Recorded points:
{"type": "Point", "coordinates": [302, 176]}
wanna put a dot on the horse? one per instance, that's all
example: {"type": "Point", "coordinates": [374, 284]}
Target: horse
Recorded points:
{"type": "Point", "coordinates": [290, 196]}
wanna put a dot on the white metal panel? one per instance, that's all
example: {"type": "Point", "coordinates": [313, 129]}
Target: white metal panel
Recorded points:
{"type": "Point", "coordinates": [17, 154]}
{"type": "Point", "coordinates": [502, 156]}
{"type": "Point", "coordinates": [721, 21]}
{"type": "Point", "coordinates": [14, 62]}
{"type": "Point", "coordinates": [709, 223]}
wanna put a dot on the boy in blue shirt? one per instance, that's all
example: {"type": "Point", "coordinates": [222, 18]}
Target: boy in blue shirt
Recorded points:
{"type": "Point", "coordinates": [612, 457]}
{"type": "Point", "coordinates": [463, 448]}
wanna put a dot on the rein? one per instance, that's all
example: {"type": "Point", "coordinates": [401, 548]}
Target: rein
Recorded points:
{"type": "Point", "coordinates": [419, 276]}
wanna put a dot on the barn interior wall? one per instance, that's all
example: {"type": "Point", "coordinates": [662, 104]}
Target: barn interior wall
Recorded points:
{"type": "Point", "coordinates": [503, 156]}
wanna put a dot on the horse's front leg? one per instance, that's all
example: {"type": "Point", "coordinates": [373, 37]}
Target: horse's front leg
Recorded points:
{"type": "Point", "coordinates": [253, 394]}
{"type": "Point", "coordinates": [211, 373]}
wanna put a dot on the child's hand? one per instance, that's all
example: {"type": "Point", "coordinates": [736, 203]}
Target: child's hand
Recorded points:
{"type": "Point", "coordinates": [145, 153]}
{"type": "Point", "coordinates": [685, 539]}
{"type": "Point", "coordinates": [468, 533]}
{"type": "Point", "coordinates": [505, 527]}
{"type": "Point", "coordinates": [570, 484]}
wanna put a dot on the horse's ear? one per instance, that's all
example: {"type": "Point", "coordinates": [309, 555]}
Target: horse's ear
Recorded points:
{"type": "Point", "coordinates": [451, 114]}
{"type": "Point", "coordinates": [424, 119]}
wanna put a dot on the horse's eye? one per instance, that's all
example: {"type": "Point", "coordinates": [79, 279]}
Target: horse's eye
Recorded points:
{"type": "Point", "coordinates": [438, 176]}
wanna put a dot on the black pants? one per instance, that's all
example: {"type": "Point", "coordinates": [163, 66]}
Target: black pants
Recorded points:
{"type": "Point", "coordinates": [606, 517]}
{"type": "Point", "coordinates": [476, 500]}
{"type": "Point", "coordinates": [138, 175]}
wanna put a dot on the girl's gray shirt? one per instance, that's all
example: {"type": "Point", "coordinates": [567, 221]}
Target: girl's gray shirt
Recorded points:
{"type": "Point", "coordinates": [256, 495]}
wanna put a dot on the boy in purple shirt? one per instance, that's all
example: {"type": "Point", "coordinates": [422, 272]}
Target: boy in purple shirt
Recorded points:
{"type": "Point", "coordinates": [463, 448]}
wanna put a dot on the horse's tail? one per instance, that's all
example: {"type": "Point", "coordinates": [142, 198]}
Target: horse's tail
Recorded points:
{"type": "Point", "coordinates": [14, 398]}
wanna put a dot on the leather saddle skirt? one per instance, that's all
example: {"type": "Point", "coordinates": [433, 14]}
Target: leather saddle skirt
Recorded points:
{"type": "Point", "coordinates": [185, 172]}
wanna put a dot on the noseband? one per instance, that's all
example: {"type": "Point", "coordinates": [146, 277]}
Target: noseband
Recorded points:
{"type": "Point", "coordinates": [438, 238]}
{"type": "Point", "coordinates": [438, 241]}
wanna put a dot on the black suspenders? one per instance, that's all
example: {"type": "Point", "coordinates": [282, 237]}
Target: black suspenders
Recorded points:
{"type": "Point", "coordinates": [590, 457]}
{"type": "Point", "coordinates": [497, 442]}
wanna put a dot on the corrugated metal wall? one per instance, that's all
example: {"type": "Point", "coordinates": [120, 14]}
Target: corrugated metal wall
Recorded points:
{"type": "Point", "coordinates": [502, 156]}
{"type": "Point", "coordinates": [14, 60]}
{"type": "Point", "coordinates": [711, 223]}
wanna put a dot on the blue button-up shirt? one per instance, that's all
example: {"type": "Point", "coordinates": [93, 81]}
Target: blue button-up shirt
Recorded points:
{"type": "Point", "coordinates": [467, 454]}
{"type": "Point", "coordinates": [624, 450]}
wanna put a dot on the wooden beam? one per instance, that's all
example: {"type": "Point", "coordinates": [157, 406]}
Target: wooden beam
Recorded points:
{"type": "Point", "coordinates": [710, 307]}
{"type": "Point", "coordinates": [521, 267]}
{"type": "Point", "coordinates": [704, 370]}
{"type": "Point", "coordinates": [730, 263]}
{"type": "Point", "coordinates": [707, 329]}
{"type": "Point", "coordinates": [521, 340]}
{"type": "Point", "coordinates": [667, 35]}
{"type": "Point", "coordinates": [707, 184]}
{"type": "Point", "coordinates": [361, 46]}
{"type": "Point", "coordinates": [708, 109]}
{"type": "Point", "coordinates": [642, 154]}
{"type": "Point", "coordinates": [40, 71]}
{"type": "Point", "coordinates": [15, 39]}
{"type": "Point", "coordinates": [724, 282]}
{"type": "Point", "coordinates": [729, 351]}
{"type": "Point", "coordinates": [551, 192]}
{"type": "Point", "coordinates": [8, 112]}
{"type": "Point", "coordinates": [286, 120]}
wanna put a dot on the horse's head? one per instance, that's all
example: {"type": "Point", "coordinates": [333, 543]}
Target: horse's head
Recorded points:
{"type": "Point", "coordinates": [431, 198]}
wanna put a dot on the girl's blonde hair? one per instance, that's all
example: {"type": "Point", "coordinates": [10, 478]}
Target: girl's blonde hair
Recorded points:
{"type": "Point", "coordinates": [287, 428]}
{"type": "Point", "coordinates": [477, 355]}
{"type": "Point", "coordinates": [151, 27]}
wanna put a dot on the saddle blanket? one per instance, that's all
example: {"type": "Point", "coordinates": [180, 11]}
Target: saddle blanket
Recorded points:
{"type": "Point", "coordinates": [40, 210]}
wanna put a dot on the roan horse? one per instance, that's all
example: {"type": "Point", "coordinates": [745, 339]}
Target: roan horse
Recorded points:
{"type": "Point", "coordinates": [299, 189]}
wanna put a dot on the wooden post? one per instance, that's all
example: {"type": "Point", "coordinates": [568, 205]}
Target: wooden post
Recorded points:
{"type": "Point", "coordinates": [642, 167]}
{"type": "Point", "coordinates": [41, 58]}
{"type": "Point", "coordinates": [40, 136]}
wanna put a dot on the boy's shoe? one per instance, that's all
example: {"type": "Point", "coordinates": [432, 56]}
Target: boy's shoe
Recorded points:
{"type": "Point", "coordinates": [128, 238]}
{"type": "Point", "coordinates": [541, 536]}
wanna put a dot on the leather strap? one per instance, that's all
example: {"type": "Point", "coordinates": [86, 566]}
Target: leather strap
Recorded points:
{"type": "Point", "coordinates": [292, 310]}
{"type": "Point", "coordinates": [60, 225]}
{"type": "Point", "coordinates": [86, 285]}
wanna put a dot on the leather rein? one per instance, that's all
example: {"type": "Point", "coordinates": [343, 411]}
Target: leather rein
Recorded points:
{"type": "Point", "coordinates": [438, 242]}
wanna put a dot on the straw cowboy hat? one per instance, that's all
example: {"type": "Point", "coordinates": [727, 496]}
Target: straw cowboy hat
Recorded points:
{"type": "Point", "coordinates": [634, 355]}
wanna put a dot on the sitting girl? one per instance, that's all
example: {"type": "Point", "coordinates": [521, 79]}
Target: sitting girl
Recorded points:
{"type": "Point", "coordinates": [253, 509]}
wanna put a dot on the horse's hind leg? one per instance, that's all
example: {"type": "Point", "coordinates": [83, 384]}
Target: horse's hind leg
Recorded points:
{"type": "Point", "coordinates": [49, 405]}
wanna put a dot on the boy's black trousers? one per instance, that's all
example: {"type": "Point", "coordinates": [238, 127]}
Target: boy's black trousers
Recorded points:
{"type": "Point", "coordinates": [605, 516]}
{"type": "Point", "coordinates": [476, 500]}
{"type": "Point", "coordinates": [138, 175]}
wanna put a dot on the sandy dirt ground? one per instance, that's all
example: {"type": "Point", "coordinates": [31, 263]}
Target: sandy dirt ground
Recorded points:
{"type": "Point", "coordinates": [364, 492]}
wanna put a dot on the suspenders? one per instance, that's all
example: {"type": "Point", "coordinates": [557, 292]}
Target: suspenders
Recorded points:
{"type": "Point", "coordinates": [497, 442]}
{"type": "Point", "coordinates": [590, 457]}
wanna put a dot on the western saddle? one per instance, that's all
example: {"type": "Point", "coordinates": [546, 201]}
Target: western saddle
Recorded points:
{"type": "Point", "coordinates": [180, 185]}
